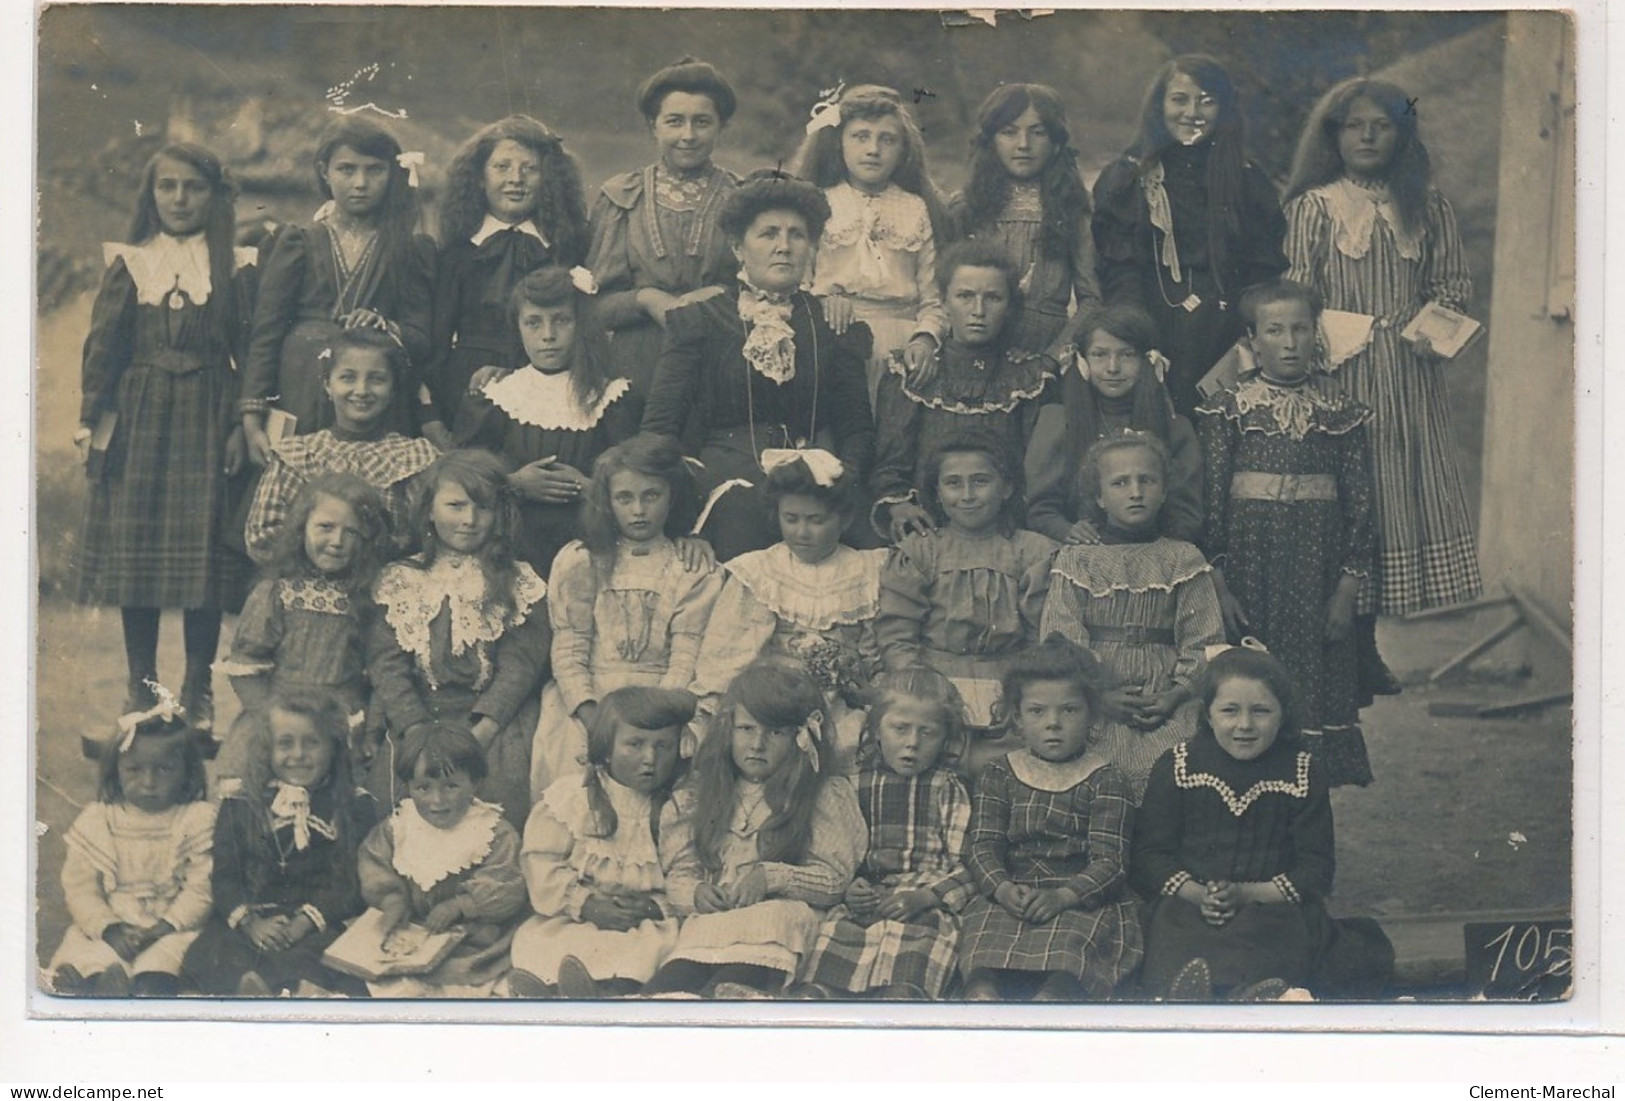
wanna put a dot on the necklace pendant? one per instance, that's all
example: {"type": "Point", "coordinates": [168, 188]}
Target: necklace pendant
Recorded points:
{"type": "Point", "coordinates": [1191, 304]}
{"type": "Point", "coordinates": [177, 300]}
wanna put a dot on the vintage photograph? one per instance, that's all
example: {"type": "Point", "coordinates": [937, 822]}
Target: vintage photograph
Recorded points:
{"type": "Point", "coordinates": [614, 505]}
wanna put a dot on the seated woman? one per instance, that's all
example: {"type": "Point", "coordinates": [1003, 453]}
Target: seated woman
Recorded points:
{"type": "Point", "coordinates": [755, 366]}
{"type": "Point", "coordinates": [979, 381]}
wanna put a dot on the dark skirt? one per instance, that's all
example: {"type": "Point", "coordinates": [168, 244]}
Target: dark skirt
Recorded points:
{"type": "Point", "coordinates": [220, 957]}
{"type": "Point", "coordinates": [634, 350]}
{"type": "Point", "coordinates": [1193, 341]}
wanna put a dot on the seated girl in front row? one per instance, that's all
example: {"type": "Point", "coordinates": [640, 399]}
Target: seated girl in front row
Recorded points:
{"type": "Point", "coordinates": [777, 835]}
{"type": "Point", "coordinates": [1049, 846]}
{"type": "Point", "coordinates": [1234, 847]}
{"type": "Point", "coordinates": [609, 857]}
{"type": "Point", "coordinates": [445, 859]}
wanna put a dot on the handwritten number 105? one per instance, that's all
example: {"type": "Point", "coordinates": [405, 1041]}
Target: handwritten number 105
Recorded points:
{"type": "Point", "coordinates": [1527, 952]}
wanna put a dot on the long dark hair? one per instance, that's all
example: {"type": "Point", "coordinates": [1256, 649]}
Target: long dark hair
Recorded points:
{"type": "Point", "coordinates": [1318, 161]}
{"type": "Point", "coordinates": [780, 697]}
{"type": "Point", "coordinates": [1065, 200]}
{"type": "Point", "coordinates": [821, 160]}
{"type": "Point", "coordinates": [483, 477]}
{"type": "Point", "coordinates": [327, 714]}
{"type": "Point", "coordinates": [638, 708]}
{"type": "Point", "coordinates": [1227, 155]}
{"type": "Point", "coordinates": [561, 203]}
{"type": "Point", "coordinates": [219, 228]}
{"type": "Point", "coordinates": [177, 736]}
{"type": "Point", "coordinates": [1151, 410]}
{"type": "Point", "coordinates": [590, 367]}
{"type": "Point", "coordinates": [654, 457]}
{"type": "Point", "coordinates": [288, 558]}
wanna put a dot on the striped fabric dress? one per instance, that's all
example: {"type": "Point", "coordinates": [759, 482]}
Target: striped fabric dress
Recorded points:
{"type": "Point", "coordinates": [917, 831]}
{"type": "Point", "coordinates": [1345, 241]}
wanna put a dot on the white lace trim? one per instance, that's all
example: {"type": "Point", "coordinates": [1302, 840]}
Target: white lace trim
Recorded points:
{"type": "Point", "coordinates": [1297, 788]}
{"type": "Point", "coordinates": [1102, 569]}
{"type": "Point", "coordinates": [412, 598]}
{"type": "Point", "coordinates": [494, 225]}
{"type": "Point", "coordinates": [1354, 211]}
{"type": "Point", "coordinates": [544, 400]}
{"type": "Point", "coordinates": [166, 264]}
{"type": "Point", "coordinates": [895, 219]}
{"type": "Point", "coordinates": [1293, 409]}
{"type": "Point", "coordinates": [1042, 775]}
{"type": "Point", "coordinates": [426, 855]}
{"type": "Point", "coordinates": [626, 861]}
{"type": "Point", "coordinates": [843, 589]}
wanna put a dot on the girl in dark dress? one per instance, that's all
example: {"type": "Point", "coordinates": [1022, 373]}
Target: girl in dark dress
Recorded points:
{"type": "Point", "coordinates": [1184, 222]}
{"type": "Point", "coordinates": [514, 203]}
{"type": "Point", "coordinates": [360, 264]}
{"type": "Point", "coordinates": [157, 421]}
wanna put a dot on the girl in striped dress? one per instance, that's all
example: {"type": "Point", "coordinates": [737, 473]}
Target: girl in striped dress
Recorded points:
{"type": "Point", "coordinates": [1143, 603]}
{"type": "Point", "coordinates": [1367, 229]}
{"type": "Point", "coordinates": [897, 932]}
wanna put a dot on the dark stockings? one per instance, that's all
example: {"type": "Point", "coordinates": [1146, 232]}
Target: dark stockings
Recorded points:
{"type": "Point", "coordinates": [201, 630]}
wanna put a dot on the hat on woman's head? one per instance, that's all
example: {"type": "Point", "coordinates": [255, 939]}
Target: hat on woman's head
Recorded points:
{"type": "Point", "coordinates": [773, 189]}
{"type": "Point", "coordinates": [699, 78]}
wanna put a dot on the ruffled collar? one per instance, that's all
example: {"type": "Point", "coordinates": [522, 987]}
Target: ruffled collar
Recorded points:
{"type": "Point", "coordinates": [494, 225]}
{"type": "Point", "coordinates": [426, 855]}
{"type": "Point", "coordinates": [1202, 763]}
{"type": "Point", "coordinates": [894, 220]}
{"type": "Point", "coordinates": [770, 342]}
{"type": "Point", "coordinates": [627, 860]}
{"type": "Point", "coordinates": [969, 382]}
{"type": "Point", "coordinates": [843, 589]}
{"type": "Point", "coordinates": [1274, 409]}
{"type": "Point", "coordinates": [1043, 775]}
{"type": "Point", "coordinates": [164, 267]}
{"type": "Point", "coordinates": [381, 462]}
{"type": "Point", "coordinates": [1102, 568]}
{"type": "Point", "coordinates": [412, 597]}
{"type": "Point", "coordinates": [548, 400]}
{"type": "Point", "coordinates": [1025, 203]}
{"type": "Point", "coordinates": [1354, 211]}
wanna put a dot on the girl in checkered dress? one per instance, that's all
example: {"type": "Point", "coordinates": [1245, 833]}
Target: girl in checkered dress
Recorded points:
{"type": "Point", "coordinates": [897, 932]}
{"type": "Point", "coordinates": [1050, 824]}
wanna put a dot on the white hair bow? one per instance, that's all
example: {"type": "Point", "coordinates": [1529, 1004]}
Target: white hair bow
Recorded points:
{"type": "Point", "coordinates": [1247, 643]}
{"type": "Point", "coordinates": [807, 741]}
{"type": "Point", "coordinates": [581, 278]}
{"type": "Point", "coordinates": [411, 162]}
{"type": "Point", "coordinates": [167, 708]}
{"type": "Point", "coordinates": [827, 111]}
{"type": "Point", "coordinates": [825, 468]}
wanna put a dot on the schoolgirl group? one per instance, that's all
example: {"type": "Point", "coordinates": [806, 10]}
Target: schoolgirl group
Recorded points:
{"type": "Point", "coordinates": [791, 586]}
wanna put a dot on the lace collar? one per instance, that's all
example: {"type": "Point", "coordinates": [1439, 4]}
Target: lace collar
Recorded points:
{"type": "Point", "coordinates": [426, 855]}
{"type": "Point", "coordinates": [894, 220]}
{"type": "Point", "coordinates": [770, 342]}
{"type": "Point", "coordinates": [969, 384]}
{"type": "Point", "coordinates": [1291, 769]}
{"type": "Point", "coordinates": [627, 860]}
{"type": "Point", "coordinates": [680, 194]}
{"type": "Point", "coordinates": [165, 267]}
{"type": "Point", "coordinates": [1292, 411]}
{"type": "Point", "coordinates": [1103, 568]}
{"type": "Point", "coordinates": [1354, 211]}
{"type": "Point", "coordinates": [1053, 776]}
{"type": "Point", "coordinates": [412, 597]}
{"type": "Point", "coordinates": [843, 589]}
{"type": "Point", "coordinates": [1025, 204]}
{"type": "Point", "coordinates": [542, 400]}
{"type": "Point", "coordinates": [494, 225]}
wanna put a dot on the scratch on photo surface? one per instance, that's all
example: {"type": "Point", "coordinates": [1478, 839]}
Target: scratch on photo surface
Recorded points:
{"type": "Point", "coordinates": [64, 796]}
{"type": "Point", "coordinates": [965, 17]}
{"type": "Point", "coordinates": [40, 828]}
{"type": "Point", "coordinates": [338, 94]}
{"type": "Point", "coordinates": [1516, 839]}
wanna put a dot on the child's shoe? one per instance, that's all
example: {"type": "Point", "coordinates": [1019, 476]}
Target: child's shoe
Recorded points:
{"type": "Point", "coordinates": [197, 697]}
{"type": "Point", "coordinates": [575, 981]}
{"type": "Point", "coordinates": [112, 983]}
{"type": "Point", "coordinates": [1264, 990]}
{"type": "Point", "coordinates": [1193, 983]}
{"type": "Point", "coordinates": [522, 984]}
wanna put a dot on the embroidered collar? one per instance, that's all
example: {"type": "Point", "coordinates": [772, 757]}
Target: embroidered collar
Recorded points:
{"type": "Point", "coordinates": [1025, 204]}
{"type": "Point", "coordinates": [1103, 568]}
{"type": "Point", "coordinates": [1354, 211]}
{"type": "Point", "coordinates": [164, 266]}
{"type": "Point", "coordinates": [843, 589]}
{"type": "Point", "coordinates": [426, 855]}
{"type": "Point", "coordinates": [680, 193]}
{"type": "Point", "coordinates": [412, 597]}
{"type": "Point", "coordinates": [494, 225]}
{"type": "Point", "coordinates": [544, 400]}
{"type": "Point", "coordinates": [321, 595]}
{"type": "Point", "coordinates": [646, 183]}
{"type": "Point", "coordinates": [892, 221]}
{"type": "Point", "coordinates": [1260, 405]}
{"type": "Point", "coordinates": [969, 384]}
{"type": "Point", "coordinates": [770, 342]}
{"type": "Point", "coordinates": [1190, 778]}
{"type": "Point", "coordinates": [1044, 775]}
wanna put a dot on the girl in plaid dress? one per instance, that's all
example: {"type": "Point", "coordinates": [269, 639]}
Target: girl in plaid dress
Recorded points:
{"type": "Point", "coordinates": [1049, 846]}
{"type": "Point", "coordinates": [156, 421]}
{"type": "Point", "coordinates": [897, 932]}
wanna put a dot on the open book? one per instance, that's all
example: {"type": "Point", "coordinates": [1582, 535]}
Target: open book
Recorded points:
{"type": "Point", "coordinates": [364, 951]}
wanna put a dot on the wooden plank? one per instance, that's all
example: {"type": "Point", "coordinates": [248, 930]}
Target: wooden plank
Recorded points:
{"type": "Point", "coordinates": [1525, 703]}
{"type": "Point", "coordinates": [1540, 617]}
{"type": "Point", "coordinates": [1458, 609]}
{"type": "Point", "coordinates": [1504, 631]}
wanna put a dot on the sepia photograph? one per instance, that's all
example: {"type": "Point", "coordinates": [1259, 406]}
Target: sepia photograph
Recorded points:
{"type": "Point", "coordinates": [617, 510]}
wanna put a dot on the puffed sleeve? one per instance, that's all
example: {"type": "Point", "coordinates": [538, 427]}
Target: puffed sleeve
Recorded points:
{"type": "Point", "coordinates": [1198, 623]}
{"type": "Point", "coordinates": [839, 839]}
{"type": "Point", "coordinates": [109, 344]}
{"type": "Point", "coordinates": [1115, 224]}
{"type": "Point", "coordinates": [1182, 510]}
{"type": "Point", "coordinates": [1047, 474]}
{"type": "Point", "coordinates": [1308, 876]}
{"type": "Point", "coordinates": [739, 629]}
{"type": "Point", "coordinates": [279, 484]}
{"type": "Point", "coordinates": [673, 390]}
{"type": "Point", "coordinates": [1063, 608]}
{"type": "Point", "coordinates": [337, 898]}
{"type": "Point", "coordinates": [234, 836]}
{"type": "Point", "coordinates": [692, 614]}
{"type": "Point", "coordinates": [375, 868]}
{"type": "Point", "coordinates": [572, 600]}
{"type": "Point", "coordinates": [274, 311]}
{"type": "Point", "coordinates": [544, 859]}
{"type": "Point", "coordinates": [521, 661]}
{"type": "Point", "coordinates": [897, 449]}
{"type": "Point", "coordinates": [495, 891]}
{"type": "Point", "coordinates": [1217, 434]}
{"type": "Point", "coordinates": [254, 646]}
{"type": "Point", "coordinates": [190, 908]}
{"type": "Point", "coordinates": [90, 848]}
{"type": "Point", "coordinates": [1445, 276]}
{"type": "Point", "coordinates": [1308, 239]}
{"type": "Point", "coordinates": [990, 827]}
{"type": "Point", "coordinates": [610, 261]}
{"type": "Point", "coordinates": [1154, 865]}
{"type": "Point", "coordinates": [905, 600]}
{"type": "Point", "coordinates": [1258, 256]}
{"type": "Point", "coordinates": [394, 681]}
{"type": "Point", "coordinates": [1111, 823]}
{"type": "Point", "coordinates": [679, 859]}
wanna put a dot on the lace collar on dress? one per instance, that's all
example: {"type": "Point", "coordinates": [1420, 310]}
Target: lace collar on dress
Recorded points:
{"type": "Point", "coordinates": [426, 855]}
{"type": "Point", "coordinates": [1354, 211]}
{"type": "Point", "coordinates": [1260, 405]}
{"type": "Point", "coordinates": [164, 265]}
{"type": "Point", "coordinates": [548, 400]}
{"type": "Point", "coordinates": [894, 219]}
{"type": "Point", "coordinates": [969, 384]}
{"type": "Point", "coordinates": [412, 597]}
{"type": "Point", "coordinates": [494, 225]}
{"type": "Point", "coordinates": [843, 589]}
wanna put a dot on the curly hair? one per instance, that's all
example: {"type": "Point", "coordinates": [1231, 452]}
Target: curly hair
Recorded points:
{"type": "Point", "coordinates": [327, 716]}
{"type": "Point", "coordinates": [288, 557]}
{"type": "Point", "coordinates": [795, 479]}
{"type": "Point", "coordinates": [484, 478]}
{"type": "Point", "coordinates": [1088, 488]}
{"type": "Point", "coordinates": [1227, 157]}
{"type": "Point", "coordinates": [1248, 663]}
{"type": "Point", "coordinates": [1065, 201]}
{"type": "Point", "coordinates": [632, 708]}
{"type": "Point", "coordinates": [1319, 161]}
{"type": "Point", "coordinates": [442, 749]}
{"type": "Point", "coordinates": [769, 189]}
{"type": "Point", "coordinates": [822, 160]}
{"type": "Point", "coordinates": [923, 684]}
{"type": "Point", "coordinates": [590, 367]}
{"type": "Point", "coordinates": [219, 227]}
{"type": "Point", "coordinates": [561, 203]}
{"type": "Point", "coordinates": [781, 697]}
{"type": "Point", "coordinates": [1057, 658]}
{"type": "Point", "coordinates": [975, 441]}
{"type": "Point", "coordinates": [697, 78]}
{"type": "Point", "coordinates": [174, 735]}
{"type": "Point", "coordinates": [653, 456]}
